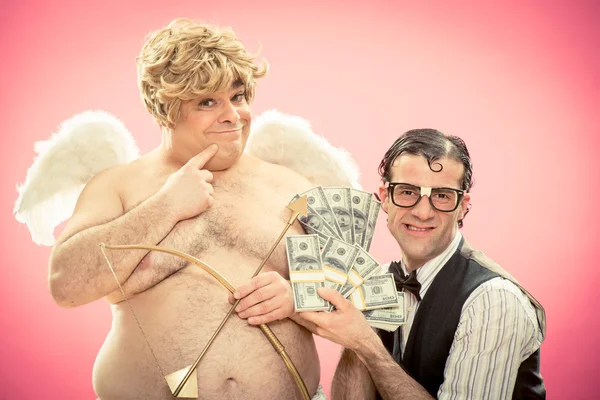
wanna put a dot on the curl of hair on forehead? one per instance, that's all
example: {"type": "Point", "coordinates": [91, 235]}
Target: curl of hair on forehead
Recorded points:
{"type": "Point", "coordinates": [433, 145]}
{"type": "Point", "coordinates": [186, 60]}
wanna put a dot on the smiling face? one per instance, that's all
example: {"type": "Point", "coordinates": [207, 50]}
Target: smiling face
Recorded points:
{"type": "Point", "coordinates": [222, 118]}
{"type": "Point", "coordinates": [197, 80]}
{"type": "Point", "coordinates": [421, 231]}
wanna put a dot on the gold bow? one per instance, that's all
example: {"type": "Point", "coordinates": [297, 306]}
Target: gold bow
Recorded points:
{"type": "Point", "coordinates": [184, 383]}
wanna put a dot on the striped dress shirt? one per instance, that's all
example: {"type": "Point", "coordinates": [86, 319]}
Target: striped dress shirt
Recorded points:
{"type": "Point", "coordinates": [498, 329]}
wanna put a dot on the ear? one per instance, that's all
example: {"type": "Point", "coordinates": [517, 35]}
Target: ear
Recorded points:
{"type": "Point", "coordinates": [383, 195]}
{"type": "Point", "coordinates": [465, 204]}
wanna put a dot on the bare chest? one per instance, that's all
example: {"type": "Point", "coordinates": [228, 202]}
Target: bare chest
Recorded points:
{"type": "Point", "coordinates": [246, 218]}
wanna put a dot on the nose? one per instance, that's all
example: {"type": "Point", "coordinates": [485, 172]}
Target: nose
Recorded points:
{"type": "Point", "coordinates": [229, 114]}
{"type": "Point", "coordinates": [423, 209]}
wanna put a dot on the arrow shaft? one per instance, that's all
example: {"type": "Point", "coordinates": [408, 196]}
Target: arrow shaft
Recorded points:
{"type": "Point", "coordinates": [222, 324]}
{"type": "Point", "coordinates": [268, 333]}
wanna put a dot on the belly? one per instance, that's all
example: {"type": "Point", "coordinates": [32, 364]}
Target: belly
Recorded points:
{"type": "Point", "coordinates": [178, 317]}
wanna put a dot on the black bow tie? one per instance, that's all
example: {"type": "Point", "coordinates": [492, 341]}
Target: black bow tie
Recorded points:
{"type": "Point", "coordinates": [409, 283]}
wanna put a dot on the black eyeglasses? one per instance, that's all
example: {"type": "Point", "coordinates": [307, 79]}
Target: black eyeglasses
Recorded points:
{"type": "Point", "coordinates": [442, 199]}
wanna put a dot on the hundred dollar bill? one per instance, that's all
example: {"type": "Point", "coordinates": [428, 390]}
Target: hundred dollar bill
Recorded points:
{"type": "Point", "coordinates": [371, 223]}
{"type": "Point", "coordinates": [363, 267]}
{"type": "Point", "coordinates": [379, 291]}
{"type": "Point", "coordinates": [306, 272]}
{"type": "Point", "coordinates": [315, 224]}
{"type": "Point", "coordinates": [361, 205]}
{"type": "Point", "coordinates": [321, 236]}
{"type": "Point", "coordinates": [340, 201]}
{"type": "Point", "coordinates": [388, 319]}
{"type": "Point", "coordinates": [317, 201]}
{"type": "Point", "coordinates": [337, 257]}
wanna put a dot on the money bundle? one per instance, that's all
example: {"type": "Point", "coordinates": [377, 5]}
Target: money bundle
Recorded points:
{"type": "Point", "coordinates": [382, 305]}
{"type": "Point", "coordinates": [340, 223]}
{"type": "Point", "coordinates": [306, 272]}
{"type": "Point", "coordinates": [343, 213]}
{"type": "Point", "coordinates": [388, 319]}
{"type": "Point", "coordinates": [363, 267]}
{"type": "Point", "coordinates": [377, 292]}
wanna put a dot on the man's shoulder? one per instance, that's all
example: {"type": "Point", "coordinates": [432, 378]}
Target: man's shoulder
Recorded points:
{"type": "Point", "coordinates": [503, 281]}
{"type": "Point", "coordinates": [119, 175]}
{"type": "Point", "coordinates": [507, 297]}
{"type": "Point", "coordinates": [503, 289]}
{"type": "Point", "coordinates": [499, 286]}
{"type": "Point", "coordinates": [279, 173]}
{"type": "Point", "coordinates": [478, 257]}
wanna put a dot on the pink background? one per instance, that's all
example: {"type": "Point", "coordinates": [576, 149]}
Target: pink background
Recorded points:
{"type": "Point", "coordinates": [519, 82]}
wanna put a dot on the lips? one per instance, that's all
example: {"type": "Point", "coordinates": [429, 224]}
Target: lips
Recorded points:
{"type": "Point", "coordinates": [414, 228]}
{"type": "Point", "coordinates": [229, 131]}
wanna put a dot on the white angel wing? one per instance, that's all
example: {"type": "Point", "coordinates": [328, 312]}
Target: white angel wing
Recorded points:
{"type": "Point", "coordinates": [289, 141]}
{"type": "Point", "coordinates": [84, 145]}
{"type": "Point", "coordinates": [93, 141]}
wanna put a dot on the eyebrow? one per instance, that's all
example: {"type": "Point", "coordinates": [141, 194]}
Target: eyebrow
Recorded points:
{"type": "Point", "coordinates": [237, 83]}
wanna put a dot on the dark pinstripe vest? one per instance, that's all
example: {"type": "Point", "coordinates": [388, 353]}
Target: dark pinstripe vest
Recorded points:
{"type": "Point", "coordinates": [435, 323]}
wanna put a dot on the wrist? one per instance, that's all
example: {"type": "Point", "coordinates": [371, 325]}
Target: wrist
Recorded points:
{"type": "Point", "coordinates": [161, 202]}
{"type": "Point", "coordinates": [368, 347]}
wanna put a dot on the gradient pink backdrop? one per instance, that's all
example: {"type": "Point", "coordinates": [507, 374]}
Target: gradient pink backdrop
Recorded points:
{"type": "Point", "coordinates": [519, 82]}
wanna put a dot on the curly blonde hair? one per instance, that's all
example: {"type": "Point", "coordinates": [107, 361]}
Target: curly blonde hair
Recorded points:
{"type": "Point", "coordinates": [185, 60]}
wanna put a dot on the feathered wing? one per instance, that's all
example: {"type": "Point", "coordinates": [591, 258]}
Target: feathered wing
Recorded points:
{"type": "Point", "coordinates": [84, 145]}
{"type": "Point", "coordinates": [93, 141]}
{"type": "Point", "coordinates": [289, 141]}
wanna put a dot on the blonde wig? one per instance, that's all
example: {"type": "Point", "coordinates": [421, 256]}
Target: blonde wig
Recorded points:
{"type": "Point", "coordinates": [185, 60]}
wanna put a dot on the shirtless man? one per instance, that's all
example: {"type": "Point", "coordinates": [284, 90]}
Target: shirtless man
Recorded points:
{"type": "Point", "coordinates": [197, 192]}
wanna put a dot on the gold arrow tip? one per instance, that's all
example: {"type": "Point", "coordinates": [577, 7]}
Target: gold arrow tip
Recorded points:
{"type": "Point", "coordinates": [190, 389]}
{"type": "Point", "coordinates": [300, 206]}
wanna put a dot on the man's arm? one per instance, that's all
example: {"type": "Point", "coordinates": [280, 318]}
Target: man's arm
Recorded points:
{"type": "Point", "coordinates": [347, 326]}
{"type": "Point", "coordinates": [78, 270]}
{"type": "Point", "coordinates": [391, 380]}
{"type": "Point", "coordinates": [497, 331]}
{"type": "Point", "coordinates": [352, 380]}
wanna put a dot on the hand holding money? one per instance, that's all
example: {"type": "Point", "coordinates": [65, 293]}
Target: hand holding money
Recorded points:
{"type": "Point", "coordinates": [345, 326]}
{"type": "Point", "coordinates": [343, 222]}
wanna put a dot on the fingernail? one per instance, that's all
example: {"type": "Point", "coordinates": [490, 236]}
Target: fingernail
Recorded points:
{"type": "Point", "coordinates": [242, 315]}
{"type": "Point", "coordinates": [236, 295]}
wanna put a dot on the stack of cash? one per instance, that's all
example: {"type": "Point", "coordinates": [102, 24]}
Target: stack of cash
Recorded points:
{"type": "Point", "coordinates": [388, 319]}
{"type": "Point", "coordinates": [306, 272]}
{"type": "Point", "coordinates": [340, 226]}
{"type": "Point", "coordinates": [342, 213]}
{"type": "Point", "coordinates": [381, 303]}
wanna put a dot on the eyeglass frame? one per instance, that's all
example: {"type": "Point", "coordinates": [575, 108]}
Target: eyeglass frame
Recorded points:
{"type": "Point", "coordinates": [424, 191]}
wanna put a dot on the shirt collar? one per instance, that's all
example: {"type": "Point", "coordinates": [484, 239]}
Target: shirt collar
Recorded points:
{"type": "Point", "coordinates": [427, 273]}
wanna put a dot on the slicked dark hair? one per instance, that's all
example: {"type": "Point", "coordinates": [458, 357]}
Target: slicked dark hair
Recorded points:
{"type": "Point", "coordinates": [433, 145]}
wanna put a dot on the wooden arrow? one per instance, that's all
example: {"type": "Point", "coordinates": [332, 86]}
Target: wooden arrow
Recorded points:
{"type": "Point", "coordinates": [183, 389]}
